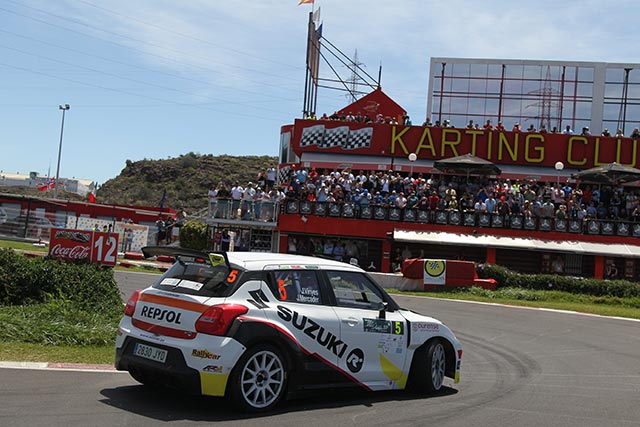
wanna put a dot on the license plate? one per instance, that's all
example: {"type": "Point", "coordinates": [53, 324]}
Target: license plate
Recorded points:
{"type": "Point", "coordinates": [150, 353]}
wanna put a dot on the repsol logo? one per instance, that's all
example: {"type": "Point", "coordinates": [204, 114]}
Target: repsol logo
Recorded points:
{"type": "Point", "coordinates": [313, 330]}
{"type": "Point", "coordinates": [169, 316]}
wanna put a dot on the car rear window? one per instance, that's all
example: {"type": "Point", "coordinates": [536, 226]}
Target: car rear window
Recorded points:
{"type": "Point", "coordinates": [199, 277]}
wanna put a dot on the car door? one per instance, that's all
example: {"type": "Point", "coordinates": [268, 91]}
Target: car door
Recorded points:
{"type": "Point", "coordinates": [376, 339]}
{"type": "Point", "coordinates": [302, 310]}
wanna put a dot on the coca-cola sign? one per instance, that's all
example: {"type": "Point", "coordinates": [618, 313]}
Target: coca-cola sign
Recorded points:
{"type": "Point", "coordinates": [74, 253]}
{"type": "Point", "coordinates": [74, 245]}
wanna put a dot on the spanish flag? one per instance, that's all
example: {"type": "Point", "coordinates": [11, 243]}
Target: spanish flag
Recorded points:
{"type": "Point", "coordinates": [305, 2]}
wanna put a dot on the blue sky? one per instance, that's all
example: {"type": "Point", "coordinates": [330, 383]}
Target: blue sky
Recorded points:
{"type": "Point", "coordinates": [160, 78]}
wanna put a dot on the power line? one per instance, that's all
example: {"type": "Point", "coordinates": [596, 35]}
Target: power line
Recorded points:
{"type": "Point", "coordinates": [135, 80]}
{"type": "Point", "coordinates": [136, 66]}
{"type": "Point", "coordinates": [182, 63]}
{"type": "Point", "coordinates": [133, 94]}
{"type": "Point", "coordinates": [186, 35]}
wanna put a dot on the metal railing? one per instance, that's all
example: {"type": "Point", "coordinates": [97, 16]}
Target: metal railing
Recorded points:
{"type": "Point", "coordinates": [594, 226]}
{"type": "Point", "coordinates": [262, 211]}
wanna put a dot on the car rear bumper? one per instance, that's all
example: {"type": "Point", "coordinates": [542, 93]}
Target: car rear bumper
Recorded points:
{"type": "Point", "coordinates": [173, 373]}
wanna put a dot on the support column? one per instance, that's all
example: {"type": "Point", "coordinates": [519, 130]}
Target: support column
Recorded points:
{"type": "Point", "coordinates": [491, 256]}
{"type": "Point", "coordinates": [385, 262]}
{"type": "Point", "coordinates": [598, 267]}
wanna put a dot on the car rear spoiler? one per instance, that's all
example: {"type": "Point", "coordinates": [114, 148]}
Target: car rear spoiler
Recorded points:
{"type": "Point", "coordinates": [213, 256]}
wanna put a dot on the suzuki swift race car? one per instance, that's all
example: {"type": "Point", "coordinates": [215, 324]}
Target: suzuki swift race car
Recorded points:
{"type": "Point", "coordinates": [256, 326]}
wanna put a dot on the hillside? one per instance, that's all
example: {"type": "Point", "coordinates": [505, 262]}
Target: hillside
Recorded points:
{"type": "Point", "coordinates": [186, 179]}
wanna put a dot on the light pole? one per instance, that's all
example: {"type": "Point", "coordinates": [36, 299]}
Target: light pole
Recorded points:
{"type": "Point", "coordinates": [412, 158]}
{"type": "Point", "coordinates": [559, 166]}
{"type": "Point", "coordinates": [64, 109]}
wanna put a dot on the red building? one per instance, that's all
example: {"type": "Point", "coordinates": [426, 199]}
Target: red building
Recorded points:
{"type": "Point", "coordinates": [599, 245]}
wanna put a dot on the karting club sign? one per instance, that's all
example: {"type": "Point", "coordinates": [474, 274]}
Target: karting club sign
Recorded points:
{"type": "Point", "coordinates": [94, 246]}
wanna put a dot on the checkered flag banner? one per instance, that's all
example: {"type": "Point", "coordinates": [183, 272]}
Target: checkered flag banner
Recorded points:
{"type": "Point", "coordinates": [312, 136]}
{"type": "Point", "coordinates": [335, 137]}
{"type": "Point", "coordinates": [283, 175]}
{"type": "Point", "coordinates": [360, 138]}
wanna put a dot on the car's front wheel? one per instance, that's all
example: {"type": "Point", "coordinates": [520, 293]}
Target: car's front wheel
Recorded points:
{"type": "Point", "coordinates": [428, 368]}
{"type": "Point", "coordinates": [258, 382]}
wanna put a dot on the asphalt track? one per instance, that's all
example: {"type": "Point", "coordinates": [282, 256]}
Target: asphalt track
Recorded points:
{"type": "Point", "coordinates": [521, 367]}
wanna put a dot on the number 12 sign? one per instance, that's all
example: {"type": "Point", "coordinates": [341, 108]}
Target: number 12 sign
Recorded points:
{"type": "Point", "coordinates": [94, 246]}
{"type": "Point", "coordinates": [104, 248]}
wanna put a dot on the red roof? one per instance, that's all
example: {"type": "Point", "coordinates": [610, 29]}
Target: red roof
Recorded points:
{"type": "Point", "coordinates": [376, 102]}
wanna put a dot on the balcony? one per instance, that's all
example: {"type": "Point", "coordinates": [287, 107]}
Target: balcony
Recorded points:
{"type": "Point", "coordinates": [263, 213]}
{"type": "Point", "coordinates": [587, 226]}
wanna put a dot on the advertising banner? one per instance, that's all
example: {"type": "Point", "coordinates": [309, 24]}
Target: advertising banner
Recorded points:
{"type": "Point", "coordinates": [435, 272]}
{"type": "Point", "coordinates": [74, 245]}
{"type": "Point", "coordinates": [436, 143]}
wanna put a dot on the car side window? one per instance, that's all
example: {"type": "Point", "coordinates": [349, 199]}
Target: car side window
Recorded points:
{"type": "Point", "coordinates": [354, 290]}
{"type": "Point", "coordinates": [297, 286]}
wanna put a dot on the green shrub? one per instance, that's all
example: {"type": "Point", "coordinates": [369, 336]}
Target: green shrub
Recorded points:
{"type": "Point", "coordinates": [574, 285]}
{"type": "Point", "coordinates": [193, 235]}
{"type": "Point", "coordinates": [35, 280]}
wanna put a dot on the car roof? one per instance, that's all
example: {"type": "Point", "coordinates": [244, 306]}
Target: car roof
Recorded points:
{"type": "Point", "coordinates": [259, 260]}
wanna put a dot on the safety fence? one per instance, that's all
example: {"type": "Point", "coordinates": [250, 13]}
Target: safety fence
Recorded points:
{"type": "Point", "coordinates": [586, 225]}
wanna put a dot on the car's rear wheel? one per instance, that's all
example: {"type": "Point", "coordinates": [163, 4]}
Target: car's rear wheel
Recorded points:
{"type": "Point", "coordinates": [428, 368]}
{"type": "Point", "coordinates": [258, 382]}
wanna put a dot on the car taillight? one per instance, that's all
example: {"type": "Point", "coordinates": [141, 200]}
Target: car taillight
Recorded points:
{"type": "Point", "coordinates": [130, 308]}
{"type": "Point", "coordinates": [218, 318]}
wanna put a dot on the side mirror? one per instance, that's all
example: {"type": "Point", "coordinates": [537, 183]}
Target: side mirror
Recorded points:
{"type": "Point", "coordinates": [382, 309]}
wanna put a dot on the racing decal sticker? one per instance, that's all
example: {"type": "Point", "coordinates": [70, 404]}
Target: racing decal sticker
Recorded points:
{"type": "Point", "coordinates": [188, 284]}
{"type": "Point", "coordinates": [170, 316]}
{"type": "Point", "coordinates": [383, 326]}
{"type": "Point", "coordinates": [313, 330]}
{"type": "Point", "coordinates": [173, 302]}
{"type": "Point", "coordinates": [213, 383]}
{"type": "Point", "coordinates": [424, 327]}
{"type": "Point", "coordinates": [204, 354]}
{"type": "Point", "coordinates": [214, 369]}
{"type": "Point", "coordinates": [391, 344]}
{"type": "Point", "coordinates": [393, 372]}
{"type": "Point", "coordinates": [288, 315]}
{"type": "Point", "coordinates": [233, 275]}
{"type": "Point", "coordinates": [259, 299]}
{"type": "Point", "coordinates": [354, 360]}
{"type": "Point", "coordinates": [308, 295]}
{"type": "Point", "coordinates": [435, 272]}
{"type": "Point", "coordinates": [216, 259]}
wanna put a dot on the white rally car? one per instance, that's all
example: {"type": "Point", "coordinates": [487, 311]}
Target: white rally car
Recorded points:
{"type": "Point", "coordinates": [256, 326]}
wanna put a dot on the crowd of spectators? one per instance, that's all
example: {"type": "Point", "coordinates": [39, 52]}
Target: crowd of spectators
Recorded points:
{"type": "Point", "coordinates": [250, 201]}
{"type": "Point", "coordinates": [531, 199]}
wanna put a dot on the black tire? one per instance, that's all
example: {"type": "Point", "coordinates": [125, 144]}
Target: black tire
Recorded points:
{"type": "Point", "coordinates": [428, 368]}
{"type": "Point", "coordinates": [259, 380]}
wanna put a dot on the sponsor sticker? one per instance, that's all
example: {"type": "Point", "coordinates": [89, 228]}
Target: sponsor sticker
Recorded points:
{"type": "Point", "coordinates": [214, 369]}
{"type": "Point", "coordinates": [424, 327]}
{"type": "Point", "coordinates": [188, 284]}
{"type": "Point", "coordinates": [355, 359]}
{"type": "Point", "coordinates": [204, 354]}
{"type": "Point", "coordinates": [383, 326]}
{"type": "Point", "coordinates": [391, 344]}
{"type": "Point", "coordinates": [435, 272]}
{"type": "Point", "coordinates": [216, 259]}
